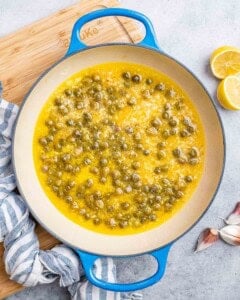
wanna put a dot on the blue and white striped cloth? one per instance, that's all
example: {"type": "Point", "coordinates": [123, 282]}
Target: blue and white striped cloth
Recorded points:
{"type": "Point", "coordinates": [24, 261]}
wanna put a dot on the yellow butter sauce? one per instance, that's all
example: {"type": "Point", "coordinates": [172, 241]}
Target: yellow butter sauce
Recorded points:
{"type": "Point", "coordinates": [111, 118]}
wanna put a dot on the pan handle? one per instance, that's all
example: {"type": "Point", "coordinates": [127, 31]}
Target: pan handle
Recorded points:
{"type": "Point", "coordinates": [88, 261]}
{"type": "Point", "coordinates": [77, 44]}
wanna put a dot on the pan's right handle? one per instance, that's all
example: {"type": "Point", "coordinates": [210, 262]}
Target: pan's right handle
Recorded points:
{"type": "Point", "coordinates": [76, 44]}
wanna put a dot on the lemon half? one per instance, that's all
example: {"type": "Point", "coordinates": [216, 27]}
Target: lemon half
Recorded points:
{"type": "Point", "coordinates": [228, 92]}
{"type": "Point", "coordinates": [225, 61]}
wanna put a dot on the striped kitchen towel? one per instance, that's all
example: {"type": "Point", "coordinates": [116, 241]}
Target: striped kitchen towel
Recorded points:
{"type": "Point", "coordinates": [24, 261]}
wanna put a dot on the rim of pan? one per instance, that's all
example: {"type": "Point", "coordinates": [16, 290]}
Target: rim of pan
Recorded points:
{"type": "Point", "coordinates": [107, 45]}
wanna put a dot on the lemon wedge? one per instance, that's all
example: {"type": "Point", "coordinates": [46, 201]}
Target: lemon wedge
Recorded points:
{"type": "Point", "coordinates": [225, 61]}
{"type": "Point", "coordinates": [228, 92]}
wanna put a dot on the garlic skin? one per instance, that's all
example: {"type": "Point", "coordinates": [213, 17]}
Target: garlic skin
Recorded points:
{"type": "Point", "coordinates": [231, 234]}
{"type": "Point", "coordinates": [206, 239]}
{"type": "Point", "coordinates": [234, 217]}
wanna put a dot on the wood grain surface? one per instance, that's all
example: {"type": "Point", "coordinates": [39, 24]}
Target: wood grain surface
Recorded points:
{"type": "Point", "coordinates": [27, 53]}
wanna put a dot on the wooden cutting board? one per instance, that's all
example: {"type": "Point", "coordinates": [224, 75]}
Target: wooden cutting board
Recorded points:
{"type": "Point", "coordinates": [25, 54]}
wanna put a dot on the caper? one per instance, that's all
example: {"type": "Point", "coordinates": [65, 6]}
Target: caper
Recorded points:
{"type": "Point", "coordinates": [69, 198]}
{"type": "Point", "coordinates": [94, 170]}
{"type": "Point", "coordinates": [135, 177]}
{"type": "Point", "coordinates": [78, 93]}
{"type": "Point", "coordinates": [77, 133]}
{"type": "Point", "coordinates": [132, 101]}
{"type": "Point", "coordinates": [166, 181]}
{"type": "Point", "coordinates": [149, 81]}
{"type": "Point", "coordinates": [76, 169]}
{"type": "Point", "coordinates": [182, 160]}
{"type": "Point", "coordinates": [96, 221]}
{"type": "Point", "coordinates": [87, 81]}
{"type": "Point", "coordinates": [49, 122]}
{"type": "Point", "coordinates": [146, 152]}
{"type": "Point", "coordinates": [110, 208]}
{"type": "Point", "coordinates": [59, 125]}
{"type": "Point", "coordinates": [167, 106]}
{"type": "Point", "coordinates": [173, 121]}
{"type": "Point", "coordinates": [129, 130]}
{"type": "Point", "coordinates": [165, 134]}
{"type": "Point", "coordinates": [171, 93]}
{"type": "Point", "coordinates": [71, 183]}
{"type": "Point", "coordinates": [165, 115]}
{"type": "Point", "coordinates": [136, 165]}
{"type": "Point", "coordinates": [89, 183]}
{"type": "Point", "coordinates": [194, 152]}
{"type": "Point", "coordinates": [103, 162]}
{"type": "Point", "coordinates": [87, 216]}
{"type": "Point", "coordinates": [160, 87]}
{"type": "Point", "coordinates": [117, 182]}
{"type": "Point", "coordinates": [112, 222]}
{"type": "Point", "coordinates": [87, 117]}
{"type": "Point", "coordinates": [161, 145]}
{"type": "Point", "coordinates": [157, 170]}
{"type": "Point", "coordinates": [70, 122]}
{"type": "Point", "coordinates": [179, 194]}
{"type": "Point", "coordinates": [128, 189]}
{"type": "Point", "coordinates": [100, 203]}
{"type": "Point", "coordinates": [186, 121]}
{"type": "Point", "coordinates": [193, 161]}
{"type": "Point", "coordinates": [66, 157]}
{"type": "Point", "coordinates": [63, 110]}
{"type": "Point", "coordinates": [119, 191]}
{"type": "Point", "coordinates": [45, 168]}
{"type": "Point", "coordinates": [146, 94]}
{"type": "Point", "coordinates": [116, 174]}
{"type": "Point", "coordinates": [82, 211]}
{"type": "Point", "coordinates": [124, 146]}
{"type": "Point", "coordinates": [98, 96]}
{"type": "Point", "coordinates": [179, 104]}
{"type": "Point", "coordinates": [105, 171]}
{"type": "Point", "coordinates": [126, 75]}
{"type": "Point", "coordinates": [173, 131]}
{"type": "Point", "coordinates": [80, 105]}
{"type": "Point", "coordinates": [143, 220]}
{"type": "Point", "coordinates": [156, 122]}
{"type": "Point", "coordinates": [184, 133]}
{"type": "Point", "coordinates": [87, 161]}
{"type": "Point", "coordinates": [96, 78]}
{"type": "Point", "coordinates": [68, 92]}
{"type": "Point", "coordinates": [191, 128]}
{"type": "Point", "coordinates": [58, 101]}
{"type": "Point", "coordinates": [43, 141]}
{"type": "Point", "coordinates": [152, 131]}
{"type": "Point", "coordinates": [168, 207]}
{"type": "Point", "coordinates": [161, 154]}
{"type": "Point", "coordinates": [139, 146]}
{"type": "Point", "coordinates": [59, 174]}
{"type": "Point", "coordinates": [188, 178]}
{"type": "Point", "coordinates": [104, 145]}
{"type": "Point", "coordinates": [136, 78]}
{"type": "Point", "coordinates": [177, 152]}
{"type": "Point", "coordinates": [137, 136]}
{"type": "Point", "coordinates": [103, 180]}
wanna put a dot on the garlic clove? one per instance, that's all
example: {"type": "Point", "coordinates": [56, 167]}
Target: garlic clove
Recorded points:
{"type": "Point", "coordinates": [231, 234]}
{"type": "Point", "coordinates": [234, 217]}
{"type": "Point", "coordinates": [206, 239]}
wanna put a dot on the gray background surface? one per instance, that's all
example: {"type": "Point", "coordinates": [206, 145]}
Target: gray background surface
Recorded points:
{"type": "Point", "coordinates": [188, 30]}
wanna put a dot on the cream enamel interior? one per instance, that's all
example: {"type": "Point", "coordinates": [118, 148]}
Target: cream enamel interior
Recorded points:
{"type": "Point", "coordinates": [63, 228]}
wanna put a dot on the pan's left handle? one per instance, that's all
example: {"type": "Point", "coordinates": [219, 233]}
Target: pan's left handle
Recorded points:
{"type": "Point", "coordinates": [88, 260]}
{"type": "Point", "coordinates": [77, 44]}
